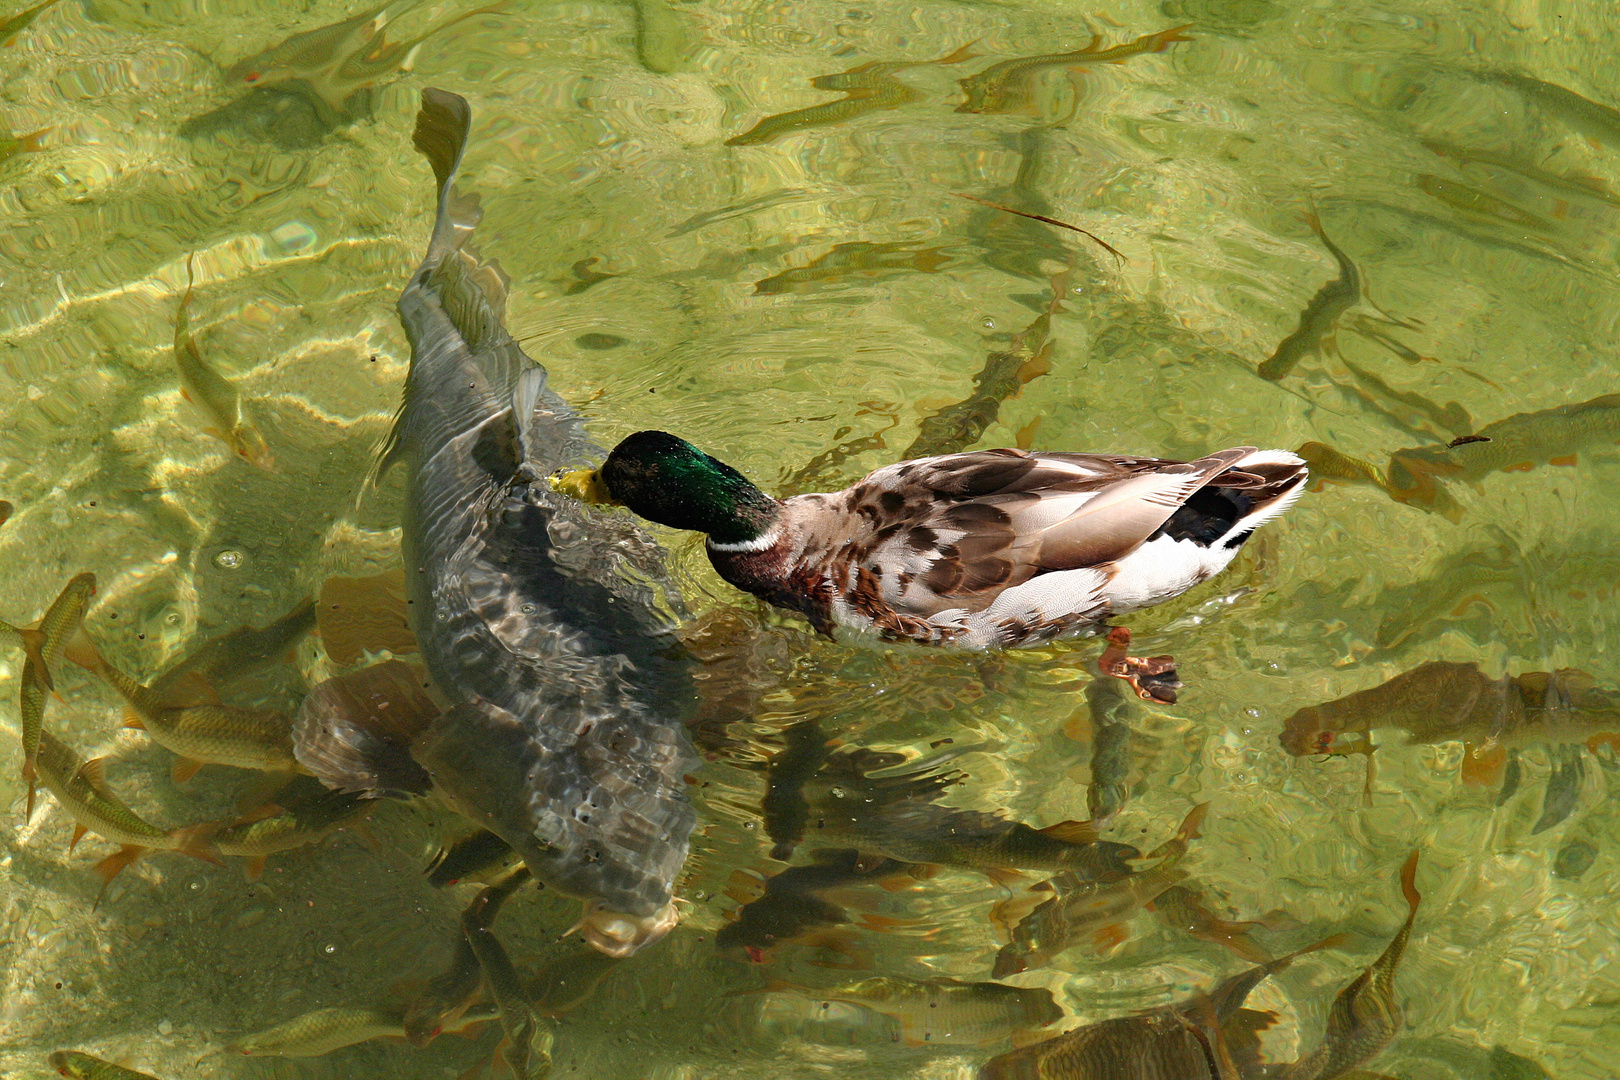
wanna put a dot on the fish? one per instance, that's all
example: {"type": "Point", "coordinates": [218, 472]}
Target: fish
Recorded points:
{"type": "Point", "coordinates": [227, 656]}
{"type": "Point", "coordinates": [475, 856]}
{"type": "Point", "coordinates": [1005, 87]}
{"type": "Point", "coordinates": [1563, 788]}
{"type": "Point", "coordinates": [1590, 118]}
{"type": "Point", "coordinates": [1109, 712]}
{"type": "Point", "coordinates": [1584, 187]}
{"type": "Point", "coordinates": [857, 260]}
{"type": "Point", "coordinates": [942, 1011]}
{"type": "Point", "coordinates": [20, 22]}
{"type": "Point", "coordinates": [1005, 373]}
{"type": "Point", "coordinates": [311, 52]}
{"type": "Point", "coordinates": [301, 813]}
{"type": "Point", "coordinates": [1364, 1017]}
{"type": "Point", "coordinates": [739, 209]}
{"type": "Point", "coordinates": [1519, 443]}
{"type": "Point", "coordinates": [1082, 906]}
{"type": "Point", "coordinates": [1478, 203]}
{"type": "Point", "coordinates": [355, 731]}
{"type": "Point", "coordinates": [1574, 859]}
{"type": "Point", "coordinates": [32, 143]}
{"type": "Point", "coordinates": [790, 904]}
{"type": "Point", "coordinates": [6, 510]}
{"type": "Point", "coordinates": [81, 787]}
{"type": "Point", "coordinates": [869, 87]}
{"type": "Point", "coordinates": [205, 734]}
{"type": "Point", "coordinates": [784, 808]}
{"type": "Point", "coordinates": [44, 645]}
{"type": "Point", "coordinates": [212, 394]}
{"type": "Point", "coordinates": [1184, 909]}
{"type": "Point", "coordinates": [81, 1066]}
{"type": "Point", "coordinates": [829, 463]}
{"type": "Point", "coordinates": [364, 614]}
{"type": "Point", "coordinates": [1196, 1039]}
{"type": "Point", "coordinates": [548, 630]}
{"type": "Point", "coordinates": [665, 38]}
{"type": "Point", "coordinates": [527, 1047]}
{"type": "Point", "coordinates": [1412, 412]}
{"type": "Point", "coordinates": [449, 994]}
{"type": "Point", "coordinates": [1321, 316]}
{"type": "Point", "coordinates": [566, 982]}
{"type": "Point", "coordinates": [322, 1031]}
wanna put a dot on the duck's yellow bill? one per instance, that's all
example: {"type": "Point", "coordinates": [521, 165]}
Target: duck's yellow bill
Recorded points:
{"type": "Point", "coordinates": [585, 485]}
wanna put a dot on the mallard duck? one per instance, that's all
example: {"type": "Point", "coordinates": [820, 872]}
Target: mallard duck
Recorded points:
{"type": "Point", "coordinates": [994, 549]}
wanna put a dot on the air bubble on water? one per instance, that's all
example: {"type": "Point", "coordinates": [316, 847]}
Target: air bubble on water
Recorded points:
{"type": "Point", "coordinates": [838, 793]}
{"type": "Point", "coordinates": [748, 824]}
{"type": "Point", "coordinates": [988, 323]}
{"type": "Point", "coordinates": [172, 618]}
{"type": "Point", "coordinates": [328, 949]}
{"type": "Point", "coordinates": [527, 609]}
{"type": "Point", "coordinates": [229, 559]}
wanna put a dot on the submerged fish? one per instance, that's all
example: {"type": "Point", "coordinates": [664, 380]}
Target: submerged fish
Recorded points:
{"type": "Point", "coordinates": [1479, 203]}
{"type": "Point", "coordinates": [869, 87]}
{"type": "Point", "coordinates": [205, 734]}
{"type": "Point", "coordinates": [227, 656]}
{"type": "Point", "coordinates": [1191, 1040]}
{"type": "Point", "coordinates": [1517, 444]}
{"type": "Point", "coordinates": [82, 1066]}
{"type": "Point", "coordinates": [1589, 117]}
{"type": "Point", "coordinates": [1027, 357]}
{"type": "Point", "coordinates": [6, 510]}
{"type": "Point", "coordinates": [527, 1047]}
{"type": "Point", "coordinates": [784, 808]}
{"type": "Point", "coordinates": [213, 394]}
{"type": "Point", "coordinates": [942, 1012]}
{"type": "Point", "coordinates": [45, 644]}
{"type": "Point", "coordinates": [859, 259]}
{"type": "Point", "coordinates": [15, 25]}
{"type": "Point", "coordinates": [449, 994]}
{"type": "Point", "coordinates": [1184, 909]}
{"type": "Point", "coordinates": [81, 787]}
{"type": "Point", "coordinates": [544, 626]}
{"type": "Point", "coordinates": [476, 856]}
{"type": "Point", "coordinates": [324, 1030]}
{"type": "Point", "coordinates": [1321, 316]}
{"type": "Point", "coordinates": [301, 813]}
{"type": "Point", "coordinates": [1588, 187]}
{"type": "Point", "coordinates": [1082, 907]}
{"type": "Point", "coordinates": [1005, 87]}
{"type": "Point", "coordinates": [791, 905]}
{"type": "Point", "coordinates": [32, 143]}
{"type": "Point", "coordinates": [1364, 1017]}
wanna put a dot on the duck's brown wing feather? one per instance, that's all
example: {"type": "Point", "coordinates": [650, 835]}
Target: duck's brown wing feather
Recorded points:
{"type": "Point", "coordinates": [950, 533]}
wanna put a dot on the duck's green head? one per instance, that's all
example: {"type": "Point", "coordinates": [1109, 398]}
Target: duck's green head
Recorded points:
{"type": "Point", "coordinates": [672, 482]}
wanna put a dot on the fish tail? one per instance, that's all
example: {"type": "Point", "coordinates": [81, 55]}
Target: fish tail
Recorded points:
{"type": "Point", "coordinates": [1165, 38]}
{"type": "Point", "coordinates": [1190, 824]}
{"type": "Point", "coordinates": [441, 137]}
{"type": "Point", "coordinates": [112, 866]}
{"type": "Point", "coordinates": [28, 775]}
{"type": "Point", "coordinates": [1409, 884]}
{"type": "Point", "coordinates": [197, 841]}
{"type": "Point", "coordinates": [34, 142]}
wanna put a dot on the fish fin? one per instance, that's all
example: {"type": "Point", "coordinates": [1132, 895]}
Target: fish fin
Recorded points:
{"type": "Point", "coordinates": [1071, 832]}
{"type": "Point", "coordinates": [28, 809]}
{"type": "Point", "coordinates": [525, 394]}
{"type": "Point", "coordinates": [34, 662]}
{"type": "Point", "coordinates": [184, 769]}
{"type": "Point", "coordinates": [33, 142]}
{"type": "Point", "coordinates": [94, 772]}
{"type": "Point", "coordinates": [132, 719]}
{"type": "Point", "coordinates": [259, 813]}
{"type": "Point", "coordinates": [962, 55]}
{"type": "Point", "coordinates": [78, 834]}
{"type": "Point", "coordinates": [1004, 877]}
{"type": "Point", "coordinates": [1409, 882]}
{"type": "Point", "coordinates": [1191, 823]}
{"type": "Point", "coordinates": [81, 650]}
{"type": "Point", "coordinates": [253, 869]}
{"type": "Point", "coordinates": [197, 841]}
{"type": "Point", "coordinates": [1484, 765]}
{"type": "Point", "coordinates": [189, 689]}
{"type": "Point", "coordinates": [1111, 937]}
{"type": "Point", "coordinates": [112, 866]}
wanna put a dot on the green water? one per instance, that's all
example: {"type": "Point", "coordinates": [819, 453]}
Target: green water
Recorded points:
{"type": "Point", "coordinates": [1480, 212]}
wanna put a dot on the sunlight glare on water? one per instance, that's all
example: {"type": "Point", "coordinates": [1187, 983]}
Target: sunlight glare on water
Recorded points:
{"type": "Point", "coordinates": [741, 222]}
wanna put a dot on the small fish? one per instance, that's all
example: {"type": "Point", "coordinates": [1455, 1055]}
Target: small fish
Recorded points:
{"type": "Point", "coordinates": [567, 982]}
{"type": "Point", "coordinates": [1409, 411]}
{"type": "Point", "coordinates": [12, 145]}
{"type": "Point", "coordinates": [1364, 1017]}
{"type": "Point", "coordinates": [81, 787]}
{"type": "Point", "coordinates": [1191, 1040]}
{"type": "Point", "coordinates": [1516, 444]}
{"type": "Point", "coordinates": [446, 997]}
{"type": "Point", "coordinates": [301, 813]}
{"type": "Point", "coordinates": [829, 463]}
{"type": "Point", "coordinates": [214, 395]}
{"type": "Point", "coordinates": [1369, 328]}
{"type": "Point", "coordinates": [1589, 117]}
{"type": "Point", "coordinates": [1589, 187]}
{"type": "Point", "coordinates": [206, 734]}
{"type": "Point", "coordinates": [1321, 316]}
{"type": "Point", "coordinates": [790, 905]}
{"type": "Point", "coordinates": [476, 856]}
{"type": "Point", "coordinates": [1110, 712]}
{"type": "Point", "coordinates": [527, 1047]}
{"type": "Point", "coordinates": [1327, 464]}
{"type": "Point", "coordinates": [1563, 787]}
{"type": "Point", "coordinates": [312, 52]}
{"type": "Point", "coordinates": [869, 87]}
{"type": "Point", "coordinates": [82, 1066]}
{"type": "Point", "coordinates": [44, 645]}
{"type": "Point", "coordinates": [1478, 203]}
{"type": "Point", "coordinates": [941, 1011]}
{"type": "Point", "coordinates": [321, 1032]}
{"type": "Point", "coordinates": [1027, 357]}
{"type": "Point", "coordinates": [855, 260]}
{"type": "Point", "coordinates": [1005, 86]}
{"type": "Point", "coordinates": [1083, 907]}
{"type": "Point", "coordinates": [1184, 909]}
{"type": "Point", "coordinates": [740, 209]}
{"type": "Point", "coordinates": [784, 808]}
{"type": "Point", "coordinates": [358, 615]}
{"type": "Point", "coordinates": [226, 657]}
{"type": "Point", "coordinates": [20, 21]}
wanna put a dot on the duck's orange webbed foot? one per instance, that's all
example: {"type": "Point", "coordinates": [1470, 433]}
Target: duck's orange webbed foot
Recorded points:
{"type": "Point", "coordinates": [1152, 677]}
